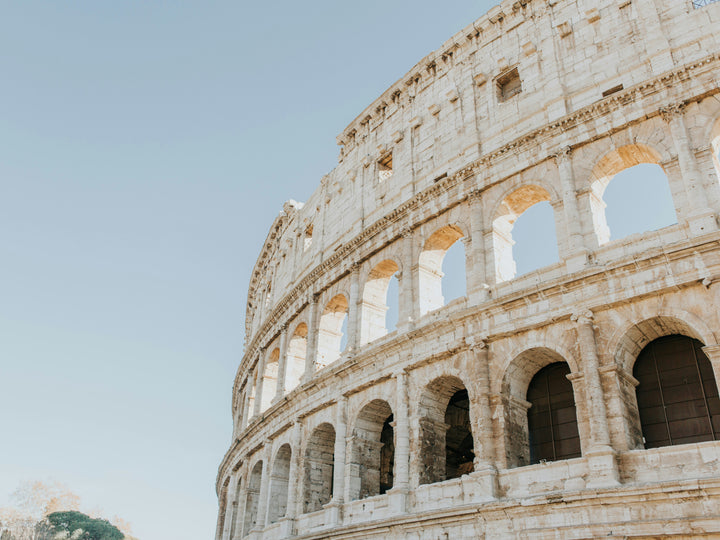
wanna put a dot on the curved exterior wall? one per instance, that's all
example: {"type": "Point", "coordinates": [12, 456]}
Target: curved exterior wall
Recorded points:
{"type": "Point", "coordinates": [603, 86]}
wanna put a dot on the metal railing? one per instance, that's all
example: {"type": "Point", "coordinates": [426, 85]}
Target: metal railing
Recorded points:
{"type": "Point", "coordinates": [697, 4]}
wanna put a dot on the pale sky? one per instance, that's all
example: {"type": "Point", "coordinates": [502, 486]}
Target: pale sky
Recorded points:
{"type": "Point", "coordinates": [145, 149]}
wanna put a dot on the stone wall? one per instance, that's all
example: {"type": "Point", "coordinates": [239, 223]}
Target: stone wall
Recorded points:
{"type": "Point", "coordinates": [535, 101]}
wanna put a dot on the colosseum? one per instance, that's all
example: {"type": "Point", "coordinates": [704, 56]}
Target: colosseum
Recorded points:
{"type": "Point", "coordinates": [578, 400]}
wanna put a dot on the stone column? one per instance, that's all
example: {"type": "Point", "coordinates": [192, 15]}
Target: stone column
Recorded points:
{"type": "Point", "coordinates": [713, 354]}
{"type": "Point", "coordinates": [237, 534]}
{"type": "Point", "coordinates": [655, 39]}
{"type": "Point", "coordinates": [340, 452]}
{"type": "Point", "coordinates": [475, 268]}
{"type": "Point", "coordinates": [485, 471]}
{"type": "Point", "coordinates": [231, 509]}
{"type": "Point", "coordinates": [222, 514]}
{"type": "Point", "coordinates": [264, 496]}
{"type": "Point", "coordinates": [401, 481]}
{"type": "Point", "coordinates": [407, 302]}
{"type": "Point", "coordinates": [577, 252]}
{"type": "Point", "coordinates": [259, 378]}
{"type": "Point", "coordinates": [294, 484]}
{"type": "Point", "coordinates": [282, 365]}
{"type": "Point", "coordinates": [313, 329]}
{"type": "Point", "coordinates": [601, 456]}
{"type": "Point", "coordinates": [354, 310]}
{"type": "Point", "coordinates": [701, 218]}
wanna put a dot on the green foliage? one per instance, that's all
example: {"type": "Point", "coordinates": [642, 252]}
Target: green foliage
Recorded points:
{"type": "Point", "coordinates": [91, 528]}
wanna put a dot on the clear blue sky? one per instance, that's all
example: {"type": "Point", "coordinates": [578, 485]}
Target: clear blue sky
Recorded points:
{"type": "Point", "coordinates": [145, 148]}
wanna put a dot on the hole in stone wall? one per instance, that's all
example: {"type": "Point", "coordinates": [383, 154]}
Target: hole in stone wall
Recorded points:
{"type": "Point", "coordinates": [385, 167]}
{"type": "Point", "coordinates": [454, 282]}
{"type": "Point", "coordinates": [508, 85]}
{"type": "Point", "coordinates": [376, 301]}
{"type": "Point", "coordinates": [373, 451]}
{"type": "Point", "coordinates": [319, 468]}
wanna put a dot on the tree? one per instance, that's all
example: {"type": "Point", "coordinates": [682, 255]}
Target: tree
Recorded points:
{"type": "Point", "coordinates": [77, 525]}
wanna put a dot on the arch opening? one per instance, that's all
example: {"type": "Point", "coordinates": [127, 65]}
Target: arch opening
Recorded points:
{"type": "Point", "coordinates": [677, 394]}
{"type": "Point", "coordinates": [296, 356]}
{"type": "Point", "coordinates": [552, 418]}
{"type": "Point", "coordinates": [319, 468]}
{"type": "Point", "coordinates": [252, 498]}
{"type": "Point", "coordinates": [375, 306]}
{"type": "Point", "coordinates": [537, 245]}
{"type": "Point", "coordinates": [270, 377]}
{"type": "Point", "coordinates": [431, 275]}
{"type": "Point", "coordinates": [279, 482]}
{"type": "Point", "coordinates": [330, 331]}
{"type": "Point", "coordinates": [373, 451]}
{"type": "Point", "coordinates": [446, 442]}
{"type": "Point", "coordinates": [619, 180]}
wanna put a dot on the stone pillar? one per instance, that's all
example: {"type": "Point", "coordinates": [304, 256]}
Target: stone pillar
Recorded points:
{"type": "Point", "coordinates": [334, 507]}
{"type": "Point", "coordinates": [231, 508]}
{"type": "Point", "coordinates": [282, 365]}
{"type": "Point", "coordinates": [406, 308]}
{"type": "Point", "coordinates": [354, 310]}
{"type": "Point", "coordinates": [294, 484]}
{"type": "Point", "coordinates": [264, 497]}
{"type": "Point", "coordinates": [237, 534]}
{"type": "Point", "coordinates": [655, 39]}
{"type": "Point", "coordinates": [475, 268]}
{"type": "Point", "coordinates": [485, 471]}
{"type": "Point", "coordinates": [313, 329]}
{"type": "Point", "coordinates": [577, 253]}
{"type": "Point", "coordinates": [701, 218]}
{"type": "Point", "coordinates": [401, 481]}
{"type": "Point", "coordinates": [259, 378]}
{"type": "Point", "coordinates": [601, 456]}
{"type": "Point", "coordinates": [222, 520]}
{"type": "Point", "coordinates": [713, 354]}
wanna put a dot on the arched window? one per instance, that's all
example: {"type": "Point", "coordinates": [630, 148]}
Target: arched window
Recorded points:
{"type": "Point", "coordinates": [253, 498]}
{"type": "Point", "coordinates": [538, 246]}
{"type": "Point", "coordinates": [431, 268]}
{"type": "Point", "coordinates": [319, 468]}
{"type": "Point", "coordinates": [446, 436]}
{"type": "Point", "coordinates": [373, 451]}
{"type": "Point", "coordinates": [374, 309]}
{"type": "Point", "coordinates": [296, 354]}
{"type": "Point", "coordinates": [677, 396]}
{"type": "Point", "coordinates": [330, 331]}
{"type": "Point", "coordinates": [279, 481]}
{"type": "Point", "coordinates": [620, 179]}
{"type": "Point", "coordinates": [270, 379]}
{"type": "Point", "coordinates": [552, 421]}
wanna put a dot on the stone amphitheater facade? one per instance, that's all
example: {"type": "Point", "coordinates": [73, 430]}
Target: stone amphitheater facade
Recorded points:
{"type": "Point", "coordinates": [438, 429]}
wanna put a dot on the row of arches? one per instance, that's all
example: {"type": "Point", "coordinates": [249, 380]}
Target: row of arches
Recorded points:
{"type": "Point", "coordinates": [676, 403]}
{"type": "Point", "coordinates": [444, 270]}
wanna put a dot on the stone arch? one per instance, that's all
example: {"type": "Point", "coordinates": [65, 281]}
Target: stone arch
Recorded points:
{"type": "Point", "coordinates": [330, 330]}
{"type": "Point", "coordinates": [374, 301]}
{"type": "Point", "coordinates": [446, 439]}
{"type": "Point", "coordinates": [279, 482]}
{"type": "Point", "coordinates": [372, 454]}
{"type": "Point", "coordinates": [319, 466]}
{"type": "Point", "coordinates": [512, 205]}
{"type": "Point", "coordinates": [252, 499]}
{"type": "Point", "coordinates": [606, 168]}
{"type": "Point", "coordinates": [295, 356]}
{"type": "Point", "coordinates": [430, 266]}
{"type": "Point", "coordinates": [270, 377]}
{"type": "Point", "coordinates": [222, 505]}
{"type": "Point", "coordinates": [627, 342]}
{"type": "Point", "coordinates": [515, 383]}
{"type": "Point", "coordinates": [677, 393]}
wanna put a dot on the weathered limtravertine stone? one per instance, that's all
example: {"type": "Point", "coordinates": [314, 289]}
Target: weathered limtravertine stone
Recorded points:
{"type": "Point", "coordinates": [345, 430]}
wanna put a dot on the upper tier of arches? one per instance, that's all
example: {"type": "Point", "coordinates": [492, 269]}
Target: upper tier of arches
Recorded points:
{"type": "Point", "coordinates": [449, 113]}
